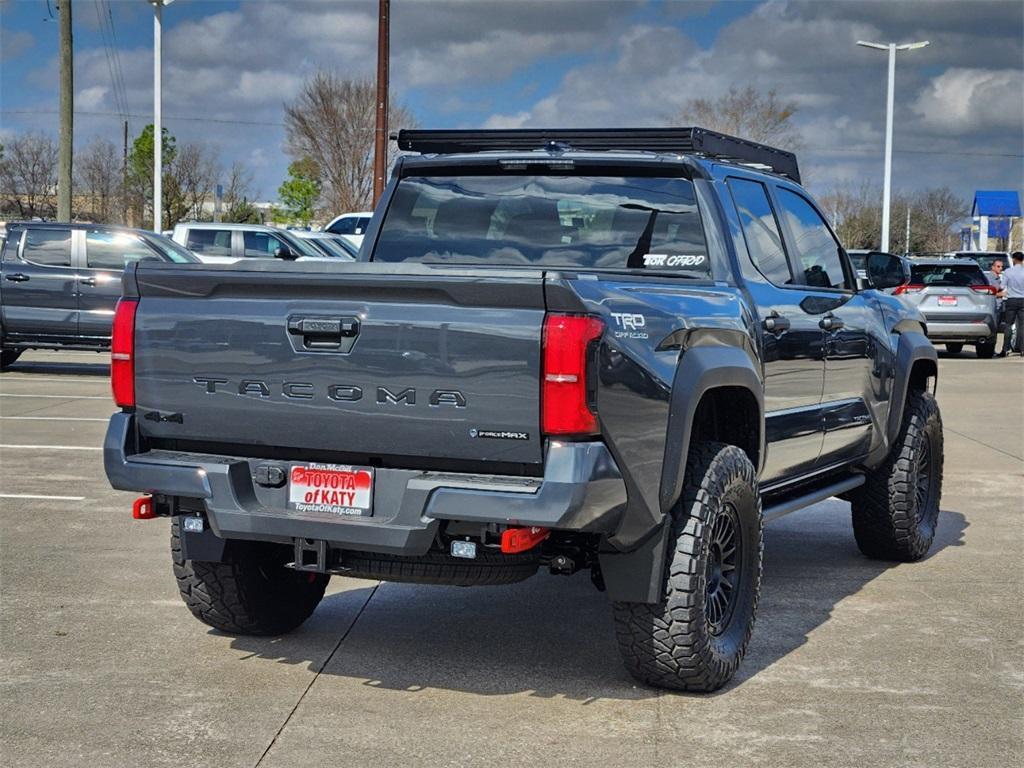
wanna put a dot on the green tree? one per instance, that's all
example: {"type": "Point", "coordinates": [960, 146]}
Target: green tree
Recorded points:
{"type": "Point", "coordinates": [301, 190]}
{"type": "Point", "coordinates": [140, 175]}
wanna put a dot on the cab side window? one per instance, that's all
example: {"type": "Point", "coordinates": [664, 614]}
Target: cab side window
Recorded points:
{"type": "Point", "coordinates": [816, 251]}
{"type": "Point", "coordinates": [48, 247]}
{"type": "Point", "coordinates": [260, 245]}
{"type": "Point", "coordinates": [761, 230]}
{"type": "Point", "coordinates": [112, 250]}
{"type": "Point", "coordinates": [212, 242]}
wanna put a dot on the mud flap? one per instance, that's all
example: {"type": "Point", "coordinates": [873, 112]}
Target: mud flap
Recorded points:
{"type": "Point", "coordinates": [637, 576]}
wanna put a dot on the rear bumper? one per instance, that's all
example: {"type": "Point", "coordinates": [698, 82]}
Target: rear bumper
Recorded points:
{"type": "Point", "coordinates": [581, 490]}
{"type": "Point", "coordinates": [959, 330]}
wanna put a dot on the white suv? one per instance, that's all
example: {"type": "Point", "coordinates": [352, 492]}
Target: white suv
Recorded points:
{"type": "Point", "coordinates": [351, 225]}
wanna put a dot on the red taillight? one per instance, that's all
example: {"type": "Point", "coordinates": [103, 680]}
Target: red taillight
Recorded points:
{"type": "Point", "coordinates": [989, 289]}
{"type": "Point", "coordinates": [122, 353]}
{"type": "Point", "coordinates": [908, 288]}
{"type": "Point", "coordinates": [564, 406]}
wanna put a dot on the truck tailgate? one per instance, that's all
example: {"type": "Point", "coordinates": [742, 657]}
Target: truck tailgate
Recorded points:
{"type": "Point", "coordinates": [370, 360]}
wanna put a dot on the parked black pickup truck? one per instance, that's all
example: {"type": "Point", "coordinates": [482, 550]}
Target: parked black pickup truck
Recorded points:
{"type": "Point", "coordinates": [619, 351]}
{"type": "Point", "coordinates": [61, 282]}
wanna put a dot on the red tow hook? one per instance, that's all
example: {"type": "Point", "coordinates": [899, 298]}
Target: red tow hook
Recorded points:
{"type": "Point", "coordinates": [142, 509]}
{"type": "Point", "coordinates": [516, 540]}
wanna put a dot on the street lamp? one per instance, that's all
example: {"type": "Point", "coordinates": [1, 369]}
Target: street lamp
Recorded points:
{"type": "Point", "coordinates": [887, 184]}
{"type": "Point", "coordinates": [158, 137]}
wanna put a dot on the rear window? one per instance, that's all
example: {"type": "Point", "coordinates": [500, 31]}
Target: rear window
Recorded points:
{"type": "Point", "coordinates": [957, 275]}
{"type": "Point", "coordinates": [600, 222]}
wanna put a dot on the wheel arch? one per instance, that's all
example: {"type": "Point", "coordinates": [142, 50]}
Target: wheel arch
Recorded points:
{"type": "Point", "coordinates": [717, 394]}
{"type": "Point", "coordinates": [917, 369]}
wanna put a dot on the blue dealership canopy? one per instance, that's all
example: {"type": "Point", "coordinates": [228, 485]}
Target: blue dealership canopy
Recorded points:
{"type": "Point", "coordinates": [996, 202]}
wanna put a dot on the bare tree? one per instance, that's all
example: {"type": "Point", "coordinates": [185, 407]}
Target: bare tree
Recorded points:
{"type": "Point", "coordinates": [28, 175]}
{"type": "Point", "coordinates": [746, 113]}
{"type": "Point", "coordinates": [939, 210]}
{"type": "Point", "coordinates": [98, 177]}
{"type": "Point", "coordinates": [332, 120]}
{"type": "Point", "coordinates": [857, 217]}
{"type": "Point", "coordinates": [195, 171]}
{"type": "Point", "coordinates": [238, 192]}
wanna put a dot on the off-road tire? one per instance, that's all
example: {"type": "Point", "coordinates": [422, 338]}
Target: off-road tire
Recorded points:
{"type": "Point", "coordinates": [487, 569]}
{"type": "Point", "coordinates": [896, 511]}
{"type": "Point", "coordinates": [251, 593]}
{"type": "Point", "coordinates": [985, 349]}
{"type": "Point", "coordinates": [675, 643]}
{"type": "Point", "coordinates": [7, 358]}
{"type": "Point", "coordinates": [955, 348]}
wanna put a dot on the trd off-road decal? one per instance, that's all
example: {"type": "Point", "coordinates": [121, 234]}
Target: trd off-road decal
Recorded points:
{"type": "Point", "coordinates": [677, 260]}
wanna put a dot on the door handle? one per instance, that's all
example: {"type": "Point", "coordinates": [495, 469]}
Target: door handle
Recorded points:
{"type": "Point", "coordinates": [18, 277]}
{"type": "Point", "coordinates": [830, 323]}
{"type": "Point", "coordinates": [776, 323]}
{"type": "Point", "coordinates": [323, 332]}
{"type": "Point", "coordinates": [87, 280]}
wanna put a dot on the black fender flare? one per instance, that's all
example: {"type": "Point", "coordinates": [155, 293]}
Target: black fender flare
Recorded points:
{"type": "Point", "coordinates": [702, 369]}
{"type": "Point", "coordinates": [912, 347]}
{"type": "Point", "coordinates": [636, 576]}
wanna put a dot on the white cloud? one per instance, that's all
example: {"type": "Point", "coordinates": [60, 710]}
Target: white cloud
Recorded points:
{"type": "Point", "coordinates": [963, 100]}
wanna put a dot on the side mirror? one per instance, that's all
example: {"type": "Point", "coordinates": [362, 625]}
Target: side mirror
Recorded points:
{"type": "Point", "coordinates": [286, 253]}
{"type": "Point", "coordinates": [887, 271]}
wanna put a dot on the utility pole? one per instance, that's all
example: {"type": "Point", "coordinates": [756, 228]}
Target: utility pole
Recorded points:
{"type": "Point", "coordinates": [67, 128]}
{"type": "Point", "coordinates": [124, 177]}
{"type": "Point", "coordinates": [380, 144]}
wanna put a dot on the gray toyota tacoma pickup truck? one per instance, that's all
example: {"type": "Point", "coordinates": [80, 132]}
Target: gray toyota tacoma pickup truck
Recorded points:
{"type": "Point", "coordinates": [618, 351]}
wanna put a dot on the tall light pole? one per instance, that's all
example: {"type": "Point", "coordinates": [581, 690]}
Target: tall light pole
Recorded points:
{"type": "Point", "coordinates": [887, 184]}
{"type": "Point", "coordinates": [158, 134]}
{"type": "Point", "coordinates": [67, 129]}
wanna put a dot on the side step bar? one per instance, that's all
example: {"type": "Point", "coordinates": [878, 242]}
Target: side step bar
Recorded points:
{"type": "Point", "coordinates": [775, 511]}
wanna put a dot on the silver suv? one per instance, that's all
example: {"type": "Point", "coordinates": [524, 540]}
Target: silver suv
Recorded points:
{"type": "Point", "coordinates": [957, 301]}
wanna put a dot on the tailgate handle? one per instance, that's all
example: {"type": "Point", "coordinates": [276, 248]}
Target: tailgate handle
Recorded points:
{"type": "Point", "coordinates": [323, 332]}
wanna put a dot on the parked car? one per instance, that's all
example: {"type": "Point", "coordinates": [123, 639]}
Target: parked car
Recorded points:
{"type": "Point", "coordinates": [551, 355]}
{"type": "Point", "coordinates": [61, 282]}
{"type": "Point", "coordinates": [336, 246]}
{"type": "Point", "coordinates": [219, 243]}
{"type": "Point", "coordinates": [352, 225]}
{"type": "Point", "coordinates": [957, 301]}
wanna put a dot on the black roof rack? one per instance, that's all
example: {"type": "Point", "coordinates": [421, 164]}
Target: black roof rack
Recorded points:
{"type": "Point", "coordinates": [673, 140]}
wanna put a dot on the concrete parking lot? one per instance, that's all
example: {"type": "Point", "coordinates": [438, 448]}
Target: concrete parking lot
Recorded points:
{"type": "Point", "coordinates": [853, 662]}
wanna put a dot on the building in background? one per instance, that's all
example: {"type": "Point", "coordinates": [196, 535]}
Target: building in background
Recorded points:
{"type": "Point", "coordinates": [992, 221]}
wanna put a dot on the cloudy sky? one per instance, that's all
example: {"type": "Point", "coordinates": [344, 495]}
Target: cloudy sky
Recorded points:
{"type": "Point", "coordinates": [229, 66]}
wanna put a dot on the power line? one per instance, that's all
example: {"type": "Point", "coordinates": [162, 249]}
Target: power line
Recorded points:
{"type": "Point", "coordinates": [143, 116]}
{"type": "Point", "coordinates": [117, 57]}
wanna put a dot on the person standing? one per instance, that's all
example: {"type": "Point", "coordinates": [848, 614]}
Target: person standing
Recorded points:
{"type": "Point", "coordinates": [1013, 302]}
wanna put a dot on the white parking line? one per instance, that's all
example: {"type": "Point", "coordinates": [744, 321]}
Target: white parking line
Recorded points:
{"type": "Point", "coordinates": [53, 447]}
{"type": "Point", "coordinates": [52, 418]}
{"type": "Point", "coordinates": [60, 397]}
{"type": "Point", "coordinates": [36, 496]}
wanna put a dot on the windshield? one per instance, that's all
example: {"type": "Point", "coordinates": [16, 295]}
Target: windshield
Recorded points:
{"type": "Point", "coordinates": [170, 250]}
{"type": "Point", "coordinates": [601, 222]}
{"type": "Point", "coordinates": [298, 244]}
{"type": "Point", "coordinates": [957, 275]}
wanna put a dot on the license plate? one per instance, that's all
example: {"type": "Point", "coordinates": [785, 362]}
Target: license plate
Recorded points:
{"type": "Point", "coordinates": [335, 489]}
{"type": "Point", "coordinates": [947, 301]}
